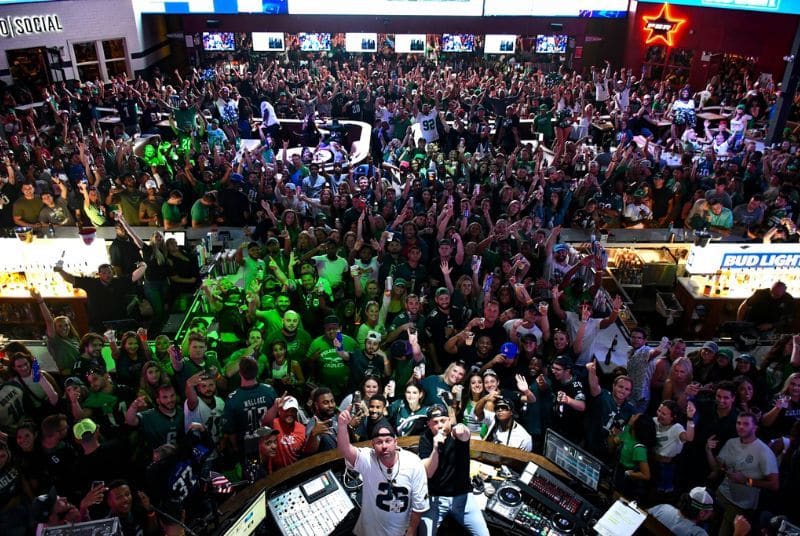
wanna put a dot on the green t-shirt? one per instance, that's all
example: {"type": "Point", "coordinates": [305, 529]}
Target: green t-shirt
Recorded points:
{"type": "Point", "coordinates": [170, 213]}
{"type": "Point", "coordinates": [129, 204]}
{"type": "Point", "coordinates": [65, 353]}
{"type": "Point", "coordinates": [28, 209]}
{"type": "Point", "coordinates": [332, 371]}
{"type": "Point", "coordinates": [201, 213]}
{"type": "Point", "coordinates": [296, 347]}
{"type": "Point", "coordinates": [632, 453]}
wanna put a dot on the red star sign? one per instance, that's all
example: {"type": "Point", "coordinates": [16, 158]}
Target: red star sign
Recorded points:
{"type": "Point", "coordinates": [662, 26]}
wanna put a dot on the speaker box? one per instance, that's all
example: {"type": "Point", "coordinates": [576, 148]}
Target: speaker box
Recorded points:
{"type": "Point", "coordinates": [556, 26]}
{"type": "Point", "coordinates": [213, 23]}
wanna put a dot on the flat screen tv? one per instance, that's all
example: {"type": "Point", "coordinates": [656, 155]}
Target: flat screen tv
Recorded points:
{"type": "Point", "coordinates": [551, 44]}
{"type": "Point", "coordinates": [314, 42]}
{"type": "Point", "coordinates": [458, 42]}
{"type": "Point", "coordinates": [219, 41]}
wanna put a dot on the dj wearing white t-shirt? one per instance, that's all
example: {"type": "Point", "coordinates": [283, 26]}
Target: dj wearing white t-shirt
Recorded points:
{"type": "Point", "coordinates": [395, 491]}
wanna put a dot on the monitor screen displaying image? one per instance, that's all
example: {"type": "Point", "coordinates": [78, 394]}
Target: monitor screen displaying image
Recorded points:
{"type": "Point", "coordinates": [219, 41]}
{"type": "Point", "coordinates": [410, 43]}
{"type": "Point", "coordinates": [551, 44]}
{"type": "Point", "coordinates": [314, 42]}
{"type": "Point", "coordinates": [499, 44]}
{"type": "Point", "coordinates": [361, 42]}
{"type": "Point", "coordinates": [268, 42]}
{"type": "Point", "coordinates": [458, 42]}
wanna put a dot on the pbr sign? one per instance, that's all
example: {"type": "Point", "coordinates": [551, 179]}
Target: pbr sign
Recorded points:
{"type": "Point", "coordinates": [30, 25]}
{"type": "Point", "coordinates": [760, 260]}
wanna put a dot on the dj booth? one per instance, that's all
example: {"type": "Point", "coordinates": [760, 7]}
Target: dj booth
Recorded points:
{"type": "Point", "coordinates": [563, 492]}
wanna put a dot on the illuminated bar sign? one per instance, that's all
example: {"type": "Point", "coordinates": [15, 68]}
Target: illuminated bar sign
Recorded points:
{"type": "Point", "coordinates": [730, 256]}
{"type": "Point", "coordinates": [662, 27]}
{"type": "Point", "coordinates": [760, 260]}
{"type": "Point", "coordinates": [29, 25]}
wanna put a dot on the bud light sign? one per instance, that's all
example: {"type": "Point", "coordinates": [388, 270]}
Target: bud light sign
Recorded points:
{"type": "Point", "coordinates": [760, 260]}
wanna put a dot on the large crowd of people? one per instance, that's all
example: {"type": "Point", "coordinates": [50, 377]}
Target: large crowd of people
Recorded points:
{"type": "Point", "coordinates": [421, 291]}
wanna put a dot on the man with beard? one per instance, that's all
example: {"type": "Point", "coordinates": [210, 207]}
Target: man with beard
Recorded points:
{"type": "Point", "coordinates": [376, 412]}
{"type": "Point", "coordinates": [606, 410]}
{"type": "Point", "coordinates": [570, 401]}
{"type": "Point", "coordinates": [395, 489]}
{"type": "Point", "coordinates": [370, 361]}
{"type": "Point", "coordinates": [321, 430]}
{"type": "Point", "coordinates": [328, 355]}
{"type": "Point", "coordinates": [160, 425]}
{"type": "Point", "coordinates": [273, 318]}
{"type": "Point", "coordinates": [409, 319]}
{"type": "Point", "coordinates": [445, 454]}
{"type": "Point", "coordinates": [203, 406]}
{"type": "Point", "coordinates": [290, 332]}
{"type": "Point", "coordinates": [52, 510]}
{"type": "Point", "coordinates": [89, 355]}
{"type": "Point", "coordinates": [442, 323]}
{"type": "Point", "coordinates": [291, 433]}
{"type": "Point", "coordinates": [105, 294]}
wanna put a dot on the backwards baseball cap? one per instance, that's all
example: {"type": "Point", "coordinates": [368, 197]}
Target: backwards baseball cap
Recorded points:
{"type": "Point", "coordinates": [441, 290]}
{"type": "Point", "coordinates": [43, 505]}
{"type": "Point", "coordinates": [701, 498]}
{"type": "Point", "coordinates": [374, 336]}
{"type": "Point", "coordinates": [151, 184]}
{"type": "Point", "coordinates": [711, 345]}
{"type": "Point", "coordinates": [383, 428]}
{"type": "Point", "coordinates": [84, 426]}
{"type": "Point", "coordinates": [437, 410]}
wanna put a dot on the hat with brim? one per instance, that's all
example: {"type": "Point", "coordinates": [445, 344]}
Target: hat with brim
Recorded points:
{"type": "Point", "coordinates": [331, 320]}
{"type": "Point", "coordinates": [746, 358]}
{"type": "Point", "coordinates": [266, 431]}
{"type": "Point", "coordinates": [727, 353]}
{"type": "Point", "coordinates": [701, 498]}
{"type": "Point", "coordinates": [711, 346]}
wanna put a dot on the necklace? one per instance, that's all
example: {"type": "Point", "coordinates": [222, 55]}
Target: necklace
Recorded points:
{"type": "Point", "coordinates": [391, 474]}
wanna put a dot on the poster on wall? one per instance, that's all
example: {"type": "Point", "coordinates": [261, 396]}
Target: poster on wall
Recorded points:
{"type": "Point", "coordinates": [410, 43]}
{"type": "Point", "coordinates": [268, 42]}
{"type": "Point", "coordinates": [443, 8]}
{"type": "Point", "coordinates": [499, 44]}
{"type": "Point", "coordinates": [361, 42]}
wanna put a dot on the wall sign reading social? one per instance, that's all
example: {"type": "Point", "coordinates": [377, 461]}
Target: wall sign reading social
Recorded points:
{"type": "Point", "coordinates": [29, 25]}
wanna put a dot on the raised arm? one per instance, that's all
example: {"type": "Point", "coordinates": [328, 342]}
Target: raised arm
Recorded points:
{"type": "Point", "coordinates": [343, 445]}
